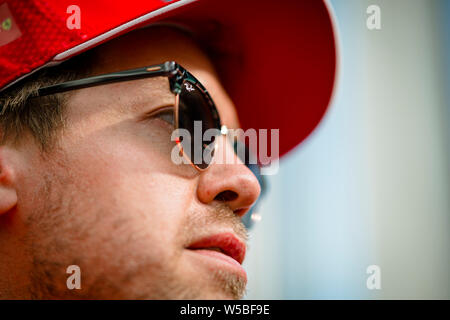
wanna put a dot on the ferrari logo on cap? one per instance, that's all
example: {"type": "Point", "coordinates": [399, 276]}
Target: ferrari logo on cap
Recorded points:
{"type": "Point", "coordinates": [6, 24]}
{"type": "Point", "coordinates": [9, 31]}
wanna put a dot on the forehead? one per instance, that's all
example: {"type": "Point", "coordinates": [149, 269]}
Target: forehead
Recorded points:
{"type": "Point", "coordinates": [155, 45]}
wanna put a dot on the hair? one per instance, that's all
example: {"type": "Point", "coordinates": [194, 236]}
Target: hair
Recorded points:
{"type": "Point", "coordinates": [22, 112]}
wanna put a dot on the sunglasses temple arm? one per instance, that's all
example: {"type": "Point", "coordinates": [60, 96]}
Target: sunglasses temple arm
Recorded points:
{"type": "Point", "coordinates": [164, 69]}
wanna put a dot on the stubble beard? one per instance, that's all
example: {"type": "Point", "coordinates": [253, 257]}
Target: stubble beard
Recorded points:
{"type": "Point", "coordinates": [57, 235]}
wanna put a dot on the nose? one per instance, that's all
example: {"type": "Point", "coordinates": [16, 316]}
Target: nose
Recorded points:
{"type": "Point", "coordinates": [228, 180]}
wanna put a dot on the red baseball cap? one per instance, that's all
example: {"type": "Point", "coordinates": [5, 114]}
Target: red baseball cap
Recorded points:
{"type": "Point", "coordinates": [277, 61]}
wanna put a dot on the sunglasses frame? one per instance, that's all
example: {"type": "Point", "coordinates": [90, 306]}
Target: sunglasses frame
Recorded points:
{"type": "Point", "coordinates": [176, 74]}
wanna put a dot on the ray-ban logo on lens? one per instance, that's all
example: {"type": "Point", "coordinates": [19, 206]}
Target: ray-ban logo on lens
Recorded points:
{"type": "Point", "coordinates": [9, 31]}
{"type": "Point", "coordinates": [189, 87]}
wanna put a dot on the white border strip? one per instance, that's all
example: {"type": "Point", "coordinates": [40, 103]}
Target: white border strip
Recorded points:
{"type": "Point", "coordinates": [83, 46]}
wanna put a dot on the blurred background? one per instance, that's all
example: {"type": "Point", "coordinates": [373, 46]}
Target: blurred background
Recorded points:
{"type": "Point", "coordinates": [371, 185]}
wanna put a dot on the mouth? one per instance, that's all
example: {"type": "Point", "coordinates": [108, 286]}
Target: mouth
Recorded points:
{"type": "Point", "coordinates": [225, 245]}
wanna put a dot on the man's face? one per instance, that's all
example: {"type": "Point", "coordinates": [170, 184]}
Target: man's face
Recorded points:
{"type": "Point", "coordinates": [109, 199]}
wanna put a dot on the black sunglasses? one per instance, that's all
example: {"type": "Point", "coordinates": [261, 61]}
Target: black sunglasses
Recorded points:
{"type": "Point", "coordinates": [193, 104]}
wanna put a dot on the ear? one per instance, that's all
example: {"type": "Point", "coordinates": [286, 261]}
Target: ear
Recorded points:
{"type": "Point", "coordinates": [8, 193]}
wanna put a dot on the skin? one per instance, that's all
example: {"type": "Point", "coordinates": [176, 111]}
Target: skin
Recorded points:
{"type": "Point", "coordinates": [109, 199]}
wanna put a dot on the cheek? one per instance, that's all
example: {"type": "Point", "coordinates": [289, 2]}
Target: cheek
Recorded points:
{"type": "Point", "coordinates": [128, 194]}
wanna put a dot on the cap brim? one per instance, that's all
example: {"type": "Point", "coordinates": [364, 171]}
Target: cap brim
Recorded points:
{"type": "Point", "coordinates": [277, 60]}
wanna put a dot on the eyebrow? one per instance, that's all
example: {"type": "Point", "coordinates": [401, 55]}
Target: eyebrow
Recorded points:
{"type": "Point", "coordinates": [139, 101]}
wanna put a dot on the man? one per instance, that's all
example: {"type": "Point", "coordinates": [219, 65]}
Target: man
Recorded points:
{"type": "Point", "coordinates": [87, 176]}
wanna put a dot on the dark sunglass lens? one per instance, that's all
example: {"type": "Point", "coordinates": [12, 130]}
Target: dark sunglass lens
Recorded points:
{"type": "Point", "coordinates": [197, 114]}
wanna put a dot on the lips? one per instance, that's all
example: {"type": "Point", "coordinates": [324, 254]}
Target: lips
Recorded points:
{"type": "Point", "coordinates": [225, 243]}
